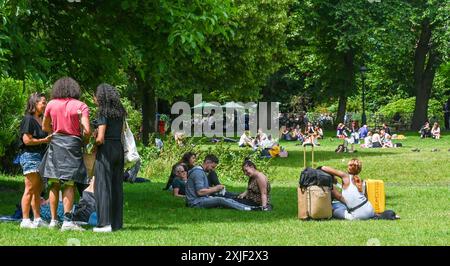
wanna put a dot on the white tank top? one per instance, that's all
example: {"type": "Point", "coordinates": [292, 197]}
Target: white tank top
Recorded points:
{"type": "Point", "coordinates": [352, 195]}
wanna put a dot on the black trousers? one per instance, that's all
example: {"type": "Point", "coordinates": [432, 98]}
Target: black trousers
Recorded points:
{"type": "Point", "coordinates": [108, 186]}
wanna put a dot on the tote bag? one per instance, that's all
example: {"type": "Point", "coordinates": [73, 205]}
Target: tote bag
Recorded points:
{"type": "Point", "coordinates": [131, 155]}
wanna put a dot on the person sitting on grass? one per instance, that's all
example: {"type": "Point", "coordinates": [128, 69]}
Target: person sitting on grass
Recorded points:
{"type": "Point", "coordinates": [319, 131]}
{"type": "Point", "coordinates": [245, 140]}
{"type": "Point", "coordinates": [131, 174]}
{"type": "Point", "coordinates": [300, 136]}
{"type": "Point", "coordinates": [367, 140]}
{"type": "Point", "coordinates": [340, 132]}
{"type": "Point", "coordinates": [387, 142]}
{"type": "Point", "coordinates": [179, 182]}
{"type": "Point", "coordinates": [310, 134]}
{"type": "Point", "coordinates": [354, 132]}
{"type": "Point", "coordinates": [267, 143]}
{"type": "Point", "coordinates": [425, 131]}
{"type": "Point", "coordinates": [376, 140]}
{"type": "Point", "coordinates": [285, 134]}
{"type": "Point", "coordinates": [386, 129]}
{"type": "Point", "coordinates": [180, 138]}
{"type": "Point", "coordinates": [83, 212]}
{"type": "Point", "coordinates": [262, 135]}
{"type": "Point", "coordinates": [436, 131]}
{"type": "Point", "coordinates": [200, 195]}
{"type": "Point", "coordinates": [385, 139]}
{"type": "Point", "coordinates": [353, 204]}
{"type": "Point", "coordinates": [258, 188]}
{"type": "Point", "coordinates": [188, 159]}
{"type": "Point", "coordinates": [363, 132]}
{"type": "Point", "coordinates": [294, 133]}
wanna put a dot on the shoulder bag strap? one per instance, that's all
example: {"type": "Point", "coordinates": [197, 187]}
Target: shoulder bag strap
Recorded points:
{"type": "Point", "coordinates": [357, 207]}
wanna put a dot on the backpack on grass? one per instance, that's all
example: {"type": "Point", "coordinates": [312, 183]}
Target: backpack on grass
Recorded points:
{"type": "Point", "coordinates": [341, 148]}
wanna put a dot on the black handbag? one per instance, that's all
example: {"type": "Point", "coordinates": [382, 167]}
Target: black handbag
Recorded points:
{"type": "Point", "coordinates": [315, 177]}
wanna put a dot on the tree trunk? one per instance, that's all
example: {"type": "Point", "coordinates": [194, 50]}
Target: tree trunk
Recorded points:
{"type": "Point", "coordinates": [342, 106]}
{"type": "Point", "coordinates": [148, 109]}
{"type": "Point", "coordinates": [424, 73]}
{"type": "Point", "coordinates": [348, 85]}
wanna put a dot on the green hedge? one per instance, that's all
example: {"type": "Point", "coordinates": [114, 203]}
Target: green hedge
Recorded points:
{"type": "Point", "coordinates": [13, 99]}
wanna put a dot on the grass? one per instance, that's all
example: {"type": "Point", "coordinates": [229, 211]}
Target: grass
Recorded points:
{"type": "Point", "coordinates": [417, 188]}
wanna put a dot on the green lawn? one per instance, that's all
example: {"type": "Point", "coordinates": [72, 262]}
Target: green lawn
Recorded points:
{"type": "Point", "coordinates": [417, 188]}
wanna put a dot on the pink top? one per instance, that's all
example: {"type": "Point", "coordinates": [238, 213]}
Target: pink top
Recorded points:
{"type": "Point", "coordinates": [64, 115]}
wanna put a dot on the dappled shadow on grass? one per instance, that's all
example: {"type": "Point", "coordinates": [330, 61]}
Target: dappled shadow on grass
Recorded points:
{"type": "Point", "coordinates": [155, 206]}
{"type": "Point", "coordinates": [11, 185]}
{"type": "Point", "coordinates": [148, 207]}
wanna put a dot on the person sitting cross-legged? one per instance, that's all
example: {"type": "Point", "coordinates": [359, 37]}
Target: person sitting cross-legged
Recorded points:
{"type": "Point", "coordinates": [425, 131]}
{"type": "Point", "coordinates": [200, 195]}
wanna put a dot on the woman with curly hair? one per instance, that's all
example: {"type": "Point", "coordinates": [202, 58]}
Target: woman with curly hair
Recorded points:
{"type": "Point", "coordinates": [67, 118]}
{"type": "Point", "coordinates": [109, 163]}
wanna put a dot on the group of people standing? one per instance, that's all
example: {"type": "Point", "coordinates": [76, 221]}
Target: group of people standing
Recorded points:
{"type": "Point", "coordinates": [53, 135]}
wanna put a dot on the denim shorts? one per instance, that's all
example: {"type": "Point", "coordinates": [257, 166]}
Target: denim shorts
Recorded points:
{"type": "Point", "coordinates": [30, 162]}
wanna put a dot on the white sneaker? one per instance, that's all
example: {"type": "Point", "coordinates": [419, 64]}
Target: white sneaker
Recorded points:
{"type": "Point", "coordinates": [40, 223]}
{"type": "Point", "coordinates": [104, 229]}
{"type": "Point", "coordinates": [27, 223]}
{"type": "Point", "coordinates": [54, 224]}
{"type": "Point", "coordinates": [71, 226]}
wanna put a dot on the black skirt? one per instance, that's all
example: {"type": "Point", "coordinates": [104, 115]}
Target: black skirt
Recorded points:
{"type": "Point", "coordinates": [64, 160]}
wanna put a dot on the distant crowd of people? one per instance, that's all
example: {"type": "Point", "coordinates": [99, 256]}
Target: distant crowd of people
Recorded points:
{"type": "Point", "coordinates": [367, 138]}
{"type": "Point", "coordinates": [269, 147]}
{"type": "Point", "coordinates": [310, 134]}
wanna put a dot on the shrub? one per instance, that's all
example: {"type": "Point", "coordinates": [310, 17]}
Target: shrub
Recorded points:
{"type": "Point", "coordinates": [13, 99]}
{"type": "Point", "coordinates": [157, 165]}
{"type": "Point", "coordinates": [405, 107]}
{"type": "Point", "coordinates": [13, 96]}
{"type": "Point", "coordinates": [134, 117]}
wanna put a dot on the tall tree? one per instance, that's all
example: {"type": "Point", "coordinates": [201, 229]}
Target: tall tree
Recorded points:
{"type": "Point", "coordinates": [431, 25]}
{"type": "Point", "coordinates": [328, 39]}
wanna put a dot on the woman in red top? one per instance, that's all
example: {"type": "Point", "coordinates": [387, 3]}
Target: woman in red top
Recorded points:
{"type": "Point", "coordinates": [63, 162]}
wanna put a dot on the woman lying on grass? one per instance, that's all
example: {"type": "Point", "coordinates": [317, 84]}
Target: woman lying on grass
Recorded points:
{"type": "Point", "coordinates": [353, 204]}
